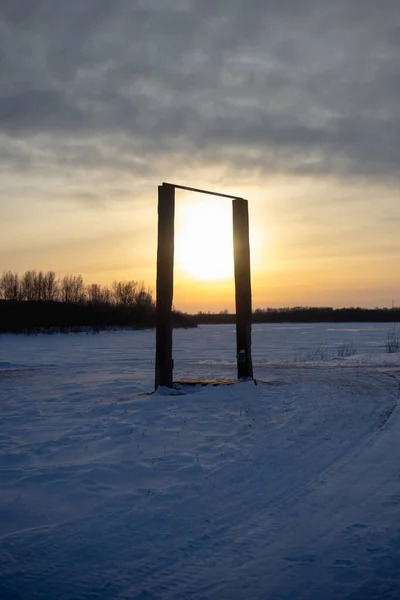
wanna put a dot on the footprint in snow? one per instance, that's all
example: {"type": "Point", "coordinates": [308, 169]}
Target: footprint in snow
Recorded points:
{"type": "Point", "coordinates": [303, 559]}
{"type": "Point", "coordinates": [342, 562]}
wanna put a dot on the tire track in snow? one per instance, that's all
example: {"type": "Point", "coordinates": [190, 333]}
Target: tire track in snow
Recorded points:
{"type": "Point", "coordinates": [214, 552]}
{"type": "Point", "coordinates": [174, 543]}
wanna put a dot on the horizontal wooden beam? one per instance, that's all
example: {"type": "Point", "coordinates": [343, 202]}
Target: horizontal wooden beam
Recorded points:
{"type": "Point", "coordinates": [191, 189]}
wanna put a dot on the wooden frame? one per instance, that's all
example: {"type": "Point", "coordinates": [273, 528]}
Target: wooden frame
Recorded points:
{"type": "Point", "coordinates": [165, 282]}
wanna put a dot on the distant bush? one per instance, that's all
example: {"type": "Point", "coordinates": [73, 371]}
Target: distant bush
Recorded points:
{"type": "Point", "coordinates": [393, 341]}
{"type": "Point", "coordinates": [320, 353]}
{"type": "Point", "coordinates": [348, 349]}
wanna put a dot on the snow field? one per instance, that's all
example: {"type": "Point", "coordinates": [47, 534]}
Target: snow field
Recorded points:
{"type": "Point", "coordinates": [288, 489]}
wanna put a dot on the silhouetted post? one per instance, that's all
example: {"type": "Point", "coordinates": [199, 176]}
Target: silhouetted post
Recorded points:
{"type": "Point", "coordinates": [165, 283]}
{"type": "Point", "coordinates": [241, 250]}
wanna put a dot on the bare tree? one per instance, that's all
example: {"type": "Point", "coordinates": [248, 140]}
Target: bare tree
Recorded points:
{"type": "Point", "coordinates": [144, 297]}
{"type": "Point", "coordinates": [124, 292]}
{"type": "Point", "coordinates": [107, 296]}
{"type": "Point", "coordinates": [39, 286]}
{"type": "Point", "coordinates": [72, 289]}
{"type": "Point", "coordinates": [50, 286]}
{"type": "Point", "coordinates": [28, 285]}
{"type": "Point", "coordinates": [94, 293]}
{"type": "Point", "coordinates": [10, 286]}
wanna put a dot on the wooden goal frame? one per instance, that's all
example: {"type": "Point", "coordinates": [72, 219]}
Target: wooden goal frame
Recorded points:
{"type": "Point", "coordinates": [165, 282]}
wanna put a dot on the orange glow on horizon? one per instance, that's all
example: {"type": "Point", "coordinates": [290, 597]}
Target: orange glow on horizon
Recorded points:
{"type": "Point", "coordinates": [312, 242]}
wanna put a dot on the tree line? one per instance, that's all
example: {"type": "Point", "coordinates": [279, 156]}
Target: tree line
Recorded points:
{"type": "Point", "coordinates": [39, 300]}
{"type": "Point", "coordinates": [307, 314]}
{"type": "Point", "coordinates": [38, 286]}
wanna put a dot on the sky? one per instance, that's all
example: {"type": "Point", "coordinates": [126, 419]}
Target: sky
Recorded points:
{"type": "Point", "coordinates": [294, 105]}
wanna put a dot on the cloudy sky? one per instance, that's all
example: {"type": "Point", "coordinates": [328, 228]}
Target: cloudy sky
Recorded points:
{"type": "Point", "coordinates": [293, 104]}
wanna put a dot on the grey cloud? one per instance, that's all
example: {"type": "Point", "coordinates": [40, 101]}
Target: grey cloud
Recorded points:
{"type": "Point", "coordinates": [28, 110]}
{"type": "Point", "coordinates": [263, 86]}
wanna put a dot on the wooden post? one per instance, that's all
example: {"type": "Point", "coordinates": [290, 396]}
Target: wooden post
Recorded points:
{"type": "Point", "coordinates": [165, 284]}
{"type": "Point", "coordinates": [241, 250]}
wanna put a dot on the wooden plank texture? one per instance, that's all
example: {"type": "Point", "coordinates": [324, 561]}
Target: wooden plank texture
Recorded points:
{"type": "Point", "coordinates": [164, 286]}
{"type": "Point", "coordinates": [241, 248]}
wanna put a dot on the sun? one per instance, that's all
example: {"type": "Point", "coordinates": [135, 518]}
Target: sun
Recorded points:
{"type": "Point", "coordinates": [204, 239]}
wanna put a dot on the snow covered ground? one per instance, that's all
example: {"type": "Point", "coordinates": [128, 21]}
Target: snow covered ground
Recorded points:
{"type": "Point", "coordinates": [289, 489]}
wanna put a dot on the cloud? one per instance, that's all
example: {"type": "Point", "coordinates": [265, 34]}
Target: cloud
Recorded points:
{"type": "Point", "coordinates": [262, 86]}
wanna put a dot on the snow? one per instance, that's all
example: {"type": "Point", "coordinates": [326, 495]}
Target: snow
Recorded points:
{"type": "Point", "coordinates": [288, 489]}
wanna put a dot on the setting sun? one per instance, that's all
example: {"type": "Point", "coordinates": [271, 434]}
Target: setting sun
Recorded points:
{"type": "Point", "coordinates": [203, 244]}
